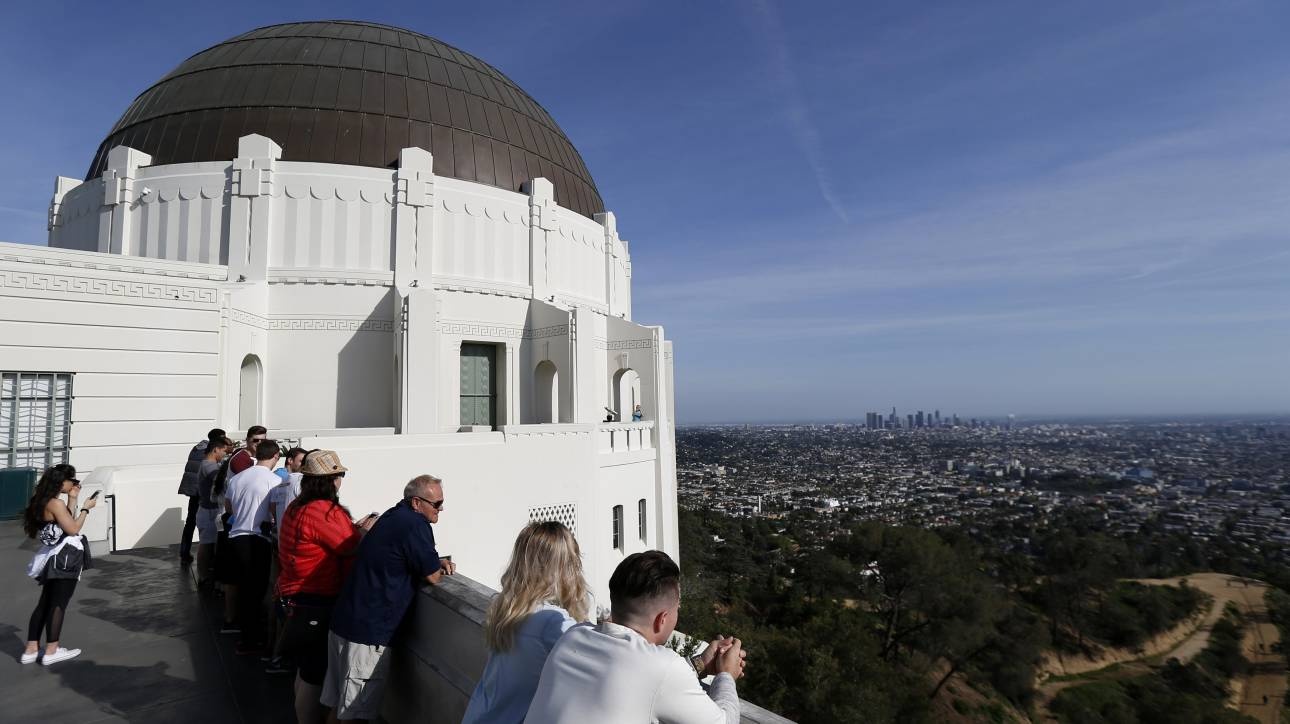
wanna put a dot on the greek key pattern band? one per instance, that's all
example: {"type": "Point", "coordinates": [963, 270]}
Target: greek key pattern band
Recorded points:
{"type": "Point", "coordinates": [106, 287]}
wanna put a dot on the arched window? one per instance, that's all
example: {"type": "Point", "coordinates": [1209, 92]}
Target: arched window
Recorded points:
{"type": "Point", "coordinates": [627, 393]}
{"type": "Point", "coordinates": [250, 392]}
{"type": "Point", "coordinates": [546, 391]}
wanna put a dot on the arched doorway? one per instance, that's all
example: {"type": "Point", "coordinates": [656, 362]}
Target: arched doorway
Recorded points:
{"type": "Point", "coordinates": [546, 379]}
{"type": "Point", "coordinates": [251, 382]}
{"type": "Point", "coordinates": [627, 393]}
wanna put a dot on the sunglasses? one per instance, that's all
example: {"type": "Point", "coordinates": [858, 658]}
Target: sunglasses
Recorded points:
{"type": "Point", "coordinates": [436, 504]}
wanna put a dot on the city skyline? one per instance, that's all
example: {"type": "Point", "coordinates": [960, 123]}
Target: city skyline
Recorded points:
{"type": "Point", "coordinates": [1003, 208]}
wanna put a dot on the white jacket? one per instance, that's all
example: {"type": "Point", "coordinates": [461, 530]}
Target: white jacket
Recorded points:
{"type": "Point", "coordinates": [41, 559]}
{"type": "Point", "coordinates": [609, 674]}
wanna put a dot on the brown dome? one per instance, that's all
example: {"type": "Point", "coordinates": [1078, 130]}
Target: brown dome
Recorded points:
{"type": "Point", "coordinates": [354, 93]}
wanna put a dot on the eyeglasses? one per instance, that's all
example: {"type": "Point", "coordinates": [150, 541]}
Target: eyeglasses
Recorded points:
{"type": "Point", "coordinates": [436, 504]}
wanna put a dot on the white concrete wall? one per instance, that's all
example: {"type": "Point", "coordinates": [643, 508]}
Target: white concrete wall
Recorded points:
{"type": "Point", "coordinates": [74, 214]}
{"type": "Point", "coordinates": [481, 238]}
{"type": "Point", "coordinates": [327, 216]}
{"type": "Point", "coordinates": [143, 347]}
{"type": "Point", "coordinates": [183, 218]}
{"type": "Point", "coordinates": [258, 213]}
{"type": "Point", "coordinates": [330, 358]}
{"type": "Point", "coordinates": [492, 480]}
{"type": "Point", "coordinates": [354, 288]}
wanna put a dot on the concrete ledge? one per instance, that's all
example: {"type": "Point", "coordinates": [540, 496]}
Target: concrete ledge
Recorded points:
{"type": "Point", "coordinates": [440, 654]}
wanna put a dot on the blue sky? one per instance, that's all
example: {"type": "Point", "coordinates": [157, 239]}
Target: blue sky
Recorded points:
{"type": "Point", "coordinates": [994, 207]}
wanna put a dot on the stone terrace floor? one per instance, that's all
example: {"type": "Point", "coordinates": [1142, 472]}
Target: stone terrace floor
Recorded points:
{"type": "Point", "coordinates": [152, 648]}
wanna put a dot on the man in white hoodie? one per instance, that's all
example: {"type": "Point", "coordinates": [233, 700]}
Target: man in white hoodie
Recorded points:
{"type": "Point", "coordinates": [619, 671]}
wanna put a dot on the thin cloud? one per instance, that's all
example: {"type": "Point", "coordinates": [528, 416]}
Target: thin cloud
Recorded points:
{"type": "Point", "coordinates": [798, 115]}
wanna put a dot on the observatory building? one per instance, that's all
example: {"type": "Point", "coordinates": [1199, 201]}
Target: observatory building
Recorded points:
{"type": "Point", "coordinates": [366, 240]}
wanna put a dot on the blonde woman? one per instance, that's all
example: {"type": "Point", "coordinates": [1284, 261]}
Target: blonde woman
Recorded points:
{"type": "Point", "coordinates": [543, 595]}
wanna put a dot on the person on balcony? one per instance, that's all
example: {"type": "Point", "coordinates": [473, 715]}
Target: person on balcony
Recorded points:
{"type": "Point", "coordinates": [620, 671]}
{"type": "Point", "coordinates": [188, 486]}
{"type": "Point", "coordinates": [316, 542]}
{"type": "Point", "coordinates": [543, 595]}
{"type": "Point", "coordinates": [637, 415]}
{"type": "Point", "coordinates": [57, 564]}
{"type": "Point", "coordinates": [397, 556]}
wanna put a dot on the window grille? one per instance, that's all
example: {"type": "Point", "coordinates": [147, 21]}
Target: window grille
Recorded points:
{"type": "Point", "coordinates": [35, 419]}
{"type": "Point", "coordinates": [618, 527]}
{"type": "Point", "coordinates": [566, 513]}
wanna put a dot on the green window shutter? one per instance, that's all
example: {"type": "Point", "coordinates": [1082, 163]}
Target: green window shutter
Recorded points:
{"type": "Point", "coordinates": [478, 384]}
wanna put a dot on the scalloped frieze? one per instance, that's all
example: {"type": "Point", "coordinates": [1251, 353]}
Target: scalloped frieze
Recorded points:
{"type": "Point", "coordinates": [374, 195]}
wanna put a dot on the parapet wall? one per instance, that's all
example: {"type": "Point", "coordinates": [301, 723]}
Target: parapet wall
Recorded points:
{"type": "Point", "coordinates": [440, 655]}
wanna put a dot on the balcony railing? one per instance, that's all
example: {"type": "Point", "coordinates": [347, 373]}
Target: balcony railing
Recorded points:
{"type": "Point", "coordinates": [441, 654]}
{"type": "Point", "coordinates": [616, 437]}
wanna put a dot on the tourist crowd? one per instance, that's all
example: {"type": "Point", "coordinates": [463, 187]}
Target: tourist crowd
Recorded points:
{"type": "Point", "coordinates": [309, 589]}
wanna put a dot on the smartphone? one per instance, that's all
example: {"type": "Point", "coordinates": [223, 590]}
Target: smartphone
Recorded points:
{"type": "Point", "coordinates": [96, 494]}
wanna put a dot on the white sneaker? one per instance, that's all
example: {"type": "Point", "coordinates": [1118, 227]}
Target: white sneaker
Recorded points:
{"type": "Point", "coordinates": [61, 654]}
{"type": "Point", "coordinates": [29, 658]}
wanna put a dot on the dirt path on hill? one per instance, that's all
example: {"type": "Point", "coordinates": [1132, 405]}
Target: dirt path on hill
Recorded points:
{"type": "Point", "coordinates": [1184, 642]}
{"type": "Point", "coordinates": [1261, 693]}
{"type": "Point", "coordinates": [1224, 589]}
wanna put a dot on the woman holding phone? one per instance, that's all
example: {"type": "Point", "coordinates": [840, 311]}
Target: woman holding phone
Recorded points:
{"type": "Point", "coordinates": [57, 569]}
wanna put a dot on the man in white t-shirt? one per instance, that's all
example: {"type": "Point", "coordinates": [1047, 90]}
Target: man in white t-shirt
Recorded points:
{"type": "Point", "coordinates": [619, 671]}
{"type": "Point", "coordinates": [247, 501]}
{"type": "Point", "coordinates": [286, 491]}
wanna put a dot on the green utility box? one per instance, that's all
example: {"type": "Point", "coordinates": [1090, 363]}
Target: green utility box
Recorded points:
{"type": "Point", "coordinates": [16, 485]}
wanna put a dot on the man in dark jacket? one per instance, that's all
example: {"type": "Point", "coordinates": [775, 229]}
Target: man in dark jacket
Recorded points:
{"type": "Point", "coordinates": [188, 486]}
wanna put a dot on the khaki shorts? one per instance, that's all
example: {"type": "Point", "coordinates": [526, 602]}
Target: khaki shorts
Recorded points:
{"type": "Point", "coordinates": [356, 675]}
{"type": "Point", "coordinates": [207, 525]}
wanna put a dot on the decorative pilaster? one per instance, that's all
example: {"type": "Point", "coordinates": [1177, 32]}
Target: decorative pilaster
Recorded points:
{"type": "Point", "coordinates": [251, 208]}
{"type": "Point", "coordinates": [414, 204]}
{"type": "Point", "coordinates": [62, 185]}
{"type": "Point", "coordinates": [542, 220]}
{"type": "Point", "coordinates": [512, 391]}
{"type": "Point", "coordinates": [118, 196]}
{"type": "Point", "coordinates": [421, 381]}
{"type": "Point", "coordinates": [610, 246]}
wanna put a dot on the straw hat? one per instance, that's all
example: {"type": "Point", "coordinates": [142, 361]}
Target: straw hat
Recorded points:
{"type": "Point", "coordinates": [322, 462]}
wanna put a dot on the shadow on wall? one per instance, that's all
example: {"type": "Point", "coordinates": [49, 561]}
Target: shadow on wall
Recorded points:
{"type": "Point", "coordinates": [365, 372]}
{"type": "Point", "coordinates": [164, 530]}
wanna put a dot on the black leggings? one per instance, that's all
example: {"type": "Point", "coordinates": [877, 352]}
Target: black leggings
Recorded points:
{"type": "Point", "coordinates": [55, 594]}
{"type": "Point", "coordinates": [190, 525]}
